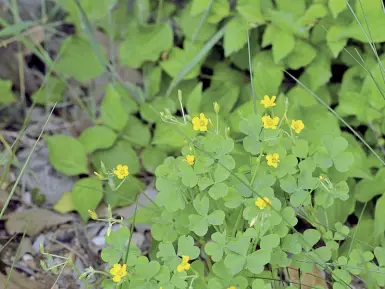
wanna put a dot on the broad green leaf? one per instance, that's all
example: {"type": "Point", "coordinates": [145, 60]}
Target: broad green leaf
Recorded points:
{"type": "Point", "coordinates": [337, 6]}
{"type": "Point", "coordinates": [267, 75]}
{"type": "Point", "coordinates": [77, 59]}
{"type": "Point", "coordinates": [367, 189]}
{"type": "Point", "coordinates": [167, 135]}
{"type": "Point", "coordinates": [152, 157]}
{"type": "Point", "coordinates": [199, 6]}
{"type": "Point", "coordinates": [120, 153]}
{"type": "Point", "coordinates": [235, 35]}
{"type": "Point", "coordinates": [337, 39]}
{"type": "Point", "coordinates": [97, 137]}
{"type": "Point", "coordinates": [309, 238]}
{"type": "Point", "coordinates": [135, 53]}
{"type": "Point", "coordinates": [201, 205]}
{"type": "Point", "coordinates": [219, 10]}
{"type": "Point", "coordinates": [290, 244]}
{"type": "Point", "coordinates": [67, 155]}
{"type": "Point", "coordinates": [7, 96]}
{"type": "Point", "coordinates": [194, 99]}
{"type": "Point", "coordinates": [179, 58]}
{"type": "Point", "coordinates": [112, 111]}
{"type": "Point", "coordinates": [136, 132]}
{"type": "Point", "coordinates": [149, 111]}
{"type": "Point", "coordinates": [302, 55]}
{"type": "Point", "coordinates": [198, 224]}
{"type": "Point", "coordinates": [251, 11]}
{"type": "Point", "coordinates": [190, 23]}
{"type": "Point", "coordinates": [301, 148]}
{"type": "Point", "coordinates": [126, 194]}
{"type": "Point", "coordinates": [283, 45]}
{"type": "Point", "coordinates": [52, 92]}
{"type": "Point", "coordinates": [86, 195]}
{"type": "Point", "coordinates": [370, 14]}
{"type": "Point", "coordinates": [225, 94]}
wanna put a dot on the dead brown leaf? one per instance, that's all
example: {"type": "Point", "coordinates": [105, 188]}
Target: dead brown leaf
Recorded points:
{"type": "Point", "coordinates": [308, 280]}
{"type": "Point", "coordinates": [34, 221]}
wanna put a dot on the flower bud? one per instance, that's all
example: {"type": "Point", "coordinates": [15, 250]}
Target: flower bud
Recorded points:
{"type": "Point", "coordinates": [216, 107]}
{"type": "Point", "coordinates": [93, 215]}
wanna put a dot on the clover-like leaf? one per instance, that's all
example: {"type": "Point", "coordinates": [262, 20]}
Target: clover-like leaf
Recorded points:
{"type": "Point", "coordinates": [186, 247]}
{"type": "Point", "coordinates": [256, 261]}
{"type": "Point", "coordinates": [216, 248]}
{"type": "Point", "coordinates": [309, 238]}
{"type": "Point", "coordinates": [218, 190]}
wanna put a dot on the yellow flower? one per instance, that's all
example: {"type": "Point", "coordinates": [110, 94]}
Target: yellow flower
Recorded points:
{"type": "Point", "coordinates": [273, 160]}
{"type": "Point", "coordinates": [321, 178]}
{"type": "Point", "coordinates": [190, 159]}
{"type": "Point", "coordinates": [184, 265]}
{"type": "Point", "coordinates": [121, 171]}
{"type": "Point", "coordinates": [263, 203]}
{"type": "Point", "coordinates": [200, 123]}
{"type": "Point", "coordinates": [269, 122]}
{"type": "Point", "coordinates": [297, 125]}
{"type": "Point", "coordinates": [118, 272]}
{"type": "Point", "coordinates": [232, 287]}
{"type": "Point", "coordinates": [268, 102]}
{"type": "Point", "coordinates": [93, 215]}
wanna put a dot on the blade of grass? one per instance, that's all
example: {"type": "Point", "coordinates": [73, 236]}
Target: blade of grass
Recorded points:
{"type": "Point", "coordinates": [368, 38]}
{"type": "Point", "coordinates": [25, 165]}
{"type": "Point", "coordinates": [16, 256]}
{"type": "Point", "coordinates": [197, 58]}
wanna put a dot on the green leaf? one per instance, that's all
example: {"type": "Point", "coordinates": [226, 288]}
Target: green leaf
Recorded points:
{"type": "Point", "coordinates": [194, 99]}
{"type": "Point", "coordinates": [309, 239]}
{"type": "Point", "coordinates": [219, 10]}
{"type": "Point", "coordinates": [86, 195]}
{"type": "Point", "coordinates": [250, 10]}
{"type": "Point", "coordinates": [112, 111]}
{"type": "Point", "coordinates": [267, 75]}
{"type": "Point", "coordinates": [52, 92]}
{"type": "Point", "coordinates": [225, 94]}
{"type": "Point", "coordinates": [179, 58]}
{"type": "Point", "coordinates": [216, 218]}
{"type": "Point", "coordinates": [218, 190]}
{"type": "Point", "coordinates": [136, 132]}
{"type": "Point", "coordinates": [152, 157]}
{"type": "Point", "coordinates": [302, 55]}
{"type": "Point", "coordinates": [337, 39]}
{"type": "Point", "coordinates": [97, 137]}
{"type": "Point", "coordinates": [135, 53]}
{"type": "Point", "coordinates": [216, 248]}
{"type": "Point", "coordinates": [290, 244]}
{"type": "Point", "coordinates": [256, 261]}
{"type": "Point", "coordinates": [190, 23]}
{"type": "Point", "coordinates": [252, 145]}
{"type": "Point", "coordinates": [77, 59]}
{"type": "Point", "coordinates": [149, 111]}
{"type": "Point", "coordinates": [283, 45]}
{"type": "Point", "coordinates": [235, 35]}
{"type": "Point", "coordinates": [300, 148]}
{"type": "Point", "coordinates": [126, 194]}
{"type": "Point", "coordinates": [270, 241]}
{"type": "Point", "coordinates": [145, 269]}
{"type": "Point", "coordinates": [120, 153]}
{"type": "Point", "coordinates": [198, 224]}
{"type": "Point", "coordinates": [167, 135]}
{"type": "Point", "coordinates": [7, 96]}
{"type": "Point", "coordinates": [67, 155]}
{"type": "Point", "coordinates": [337, 6]}
{"type": "Point", "coordinates": [199, 6]}
{"type": "Point", "coordinates": [186, 247]}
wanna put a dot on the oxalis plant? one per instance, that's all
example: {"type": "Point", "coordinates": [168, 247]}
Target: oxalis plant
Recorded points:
{"type": "Point", "coordinates": [227, 211]}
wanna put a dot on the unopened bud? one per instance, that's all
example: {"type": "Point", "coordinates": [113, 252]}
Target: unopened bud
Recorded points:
{"type": "Point", "coordinates": [99, 176]}
{"type": "Point", "coordinates": [93, 215]}
{"type": "Point", "coordinates": [216, 107]}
